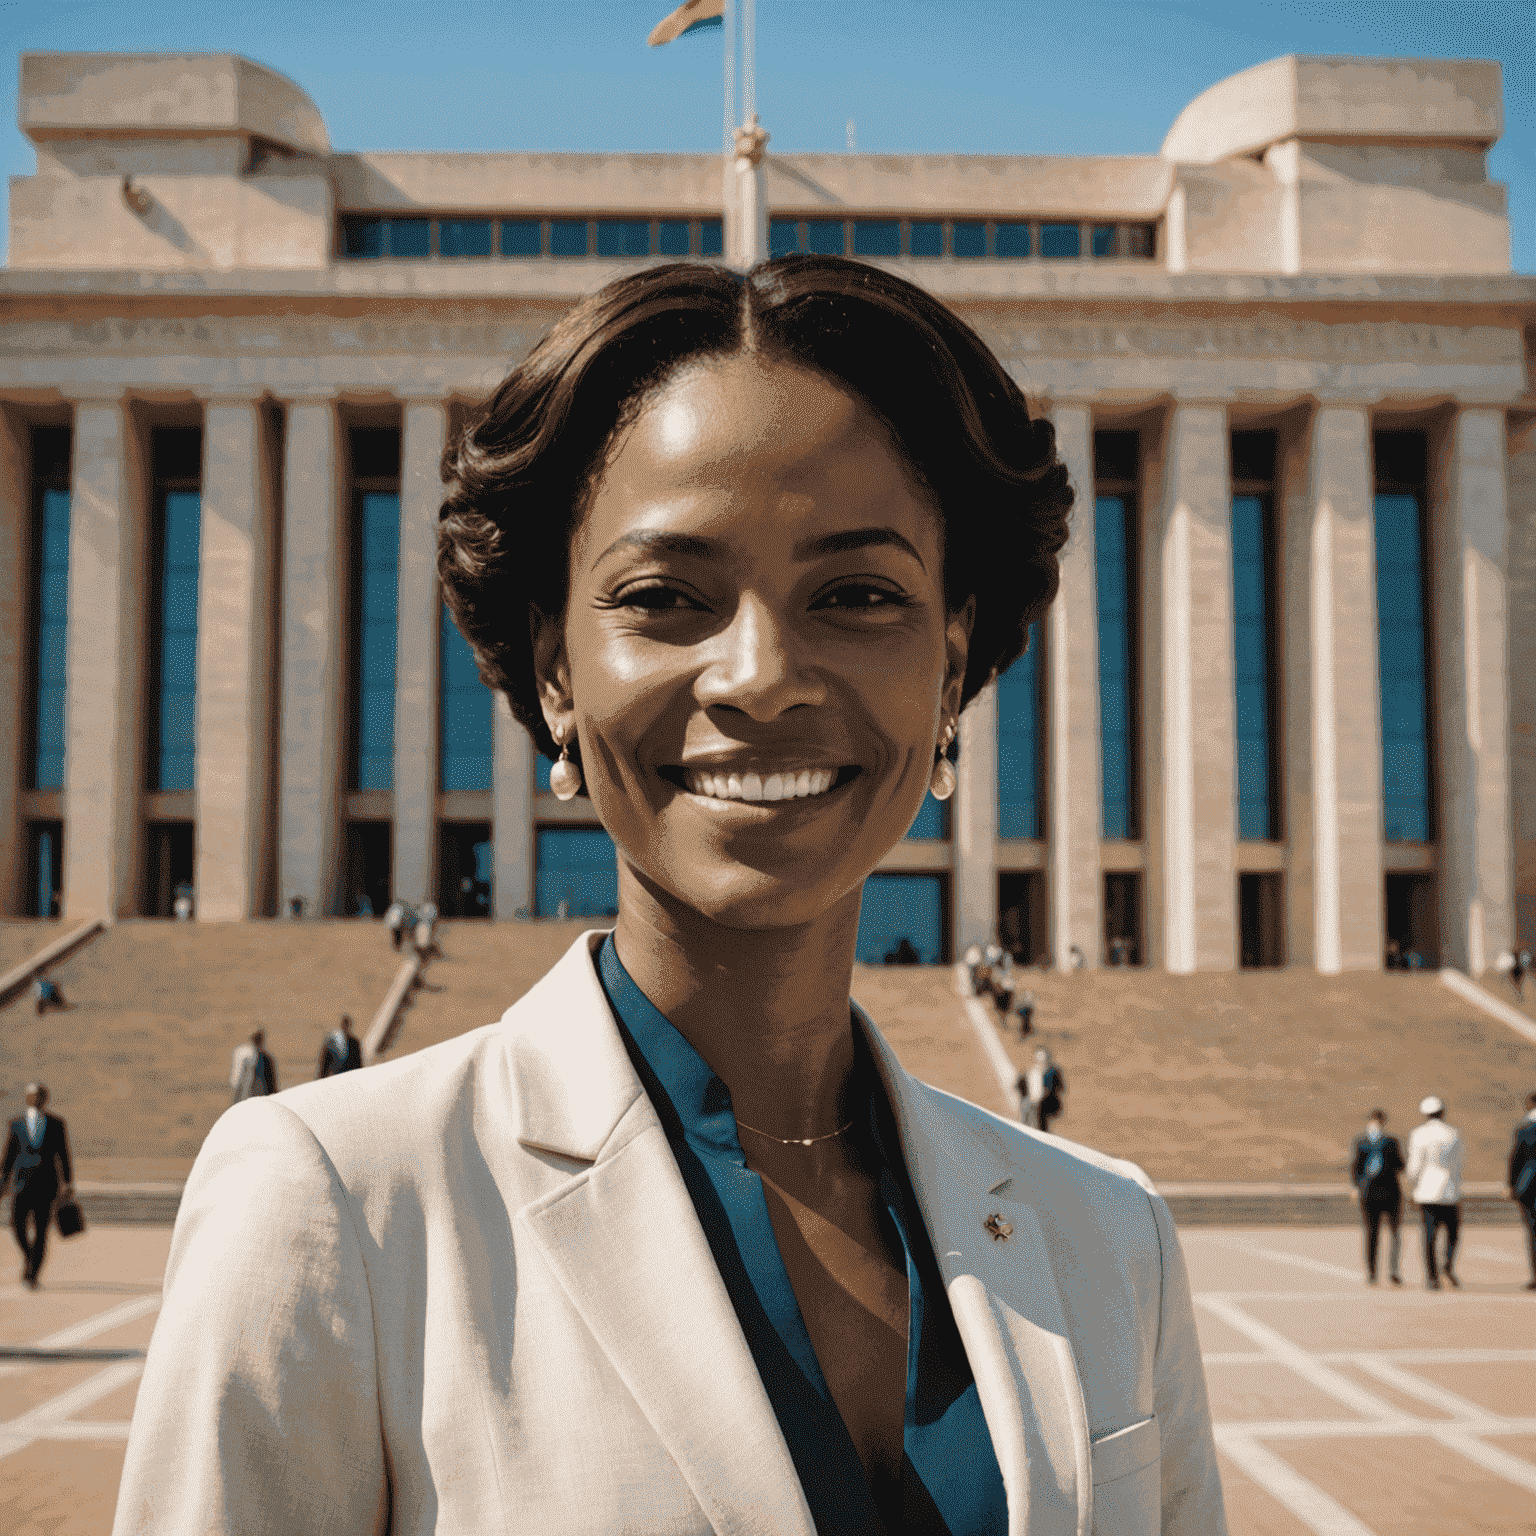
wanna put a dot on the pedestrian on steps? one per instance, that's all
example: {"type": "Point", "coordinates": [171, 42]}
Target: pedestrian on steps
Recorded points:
{"type": "Point", "coordinates": [46, 995]}
{"type": "Point", "coordinates": [1025, 1007]}
{"type": "Point", "coordinates": [1042, 1087]}
{"type": "Point", "coordinates": [342, 1051]}
{"type": "Point", "coordinates": [1522, 1178]}
{"type": "Point", "coordinates": [1373, 1171]}
{"type": "Point", "coordinates": [397, 918]}
{"type": "Point", "coordinates": [252, 1072]}
{"type": "Point", "coordinates": [1434, 1171]}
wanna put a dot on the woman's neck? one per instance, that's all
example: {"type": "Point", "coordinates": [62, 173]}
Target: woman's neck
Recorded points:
{"type": "Point", "coordinates": [767, 1009]}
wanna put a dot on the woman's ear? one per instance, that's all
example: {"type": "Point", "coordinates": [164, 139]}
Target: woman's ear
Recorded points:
{"type": "Point", "coordinates": [957, 651]}
{"type": "Point", "coordinates": [552, 672]}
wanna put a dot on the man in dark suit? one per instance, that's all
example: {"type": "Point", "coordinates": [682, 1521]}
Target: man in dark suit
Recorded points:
{"type": "Point", "coordinates": [1522, 1177]}
{"type": "Point", "coordinates": [1373, 1171]}
{"type": "Point", "coordinates": [342, 1051]}
{"type": "Point", "coordinates": [37, 1167]}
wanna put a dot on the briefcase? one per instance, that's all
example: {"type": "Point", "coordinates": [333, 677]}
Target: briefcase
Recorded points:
{"type": "Point", "coordinates": [71, 1218]}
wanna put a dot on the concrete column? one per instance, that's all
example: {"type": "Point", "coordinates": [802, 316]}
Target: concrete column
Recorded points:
{"type": "Point", "coordinates": [416, 665]}
{"type": "Point", "coordinates": [1344, 764]}
{"type": "Point", "coordinates": [1198, 724]}
{"type": "Point", "coordinates": [1472, 690]}
{"type": "Point", "coordinates": [1076, 890]}
{"type": "Point", "coordinates": [974, 823]}
{"type": "Point", "coordinates": [104, 767]}
{"type": "Point", "coordinates": [314, 661]}
{"type": "Point", "coordinates": [1522, 671]}
{"type": "Point", "coordinates": [234, 663]}
{"type": "Point", "coordinates": [513, 810]}
{"type": "Point", "coordinates": [16, 557]}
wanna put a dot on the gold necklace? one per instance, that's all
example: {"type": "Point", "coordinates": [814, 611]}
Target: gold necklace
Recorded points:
{"type": "Point", "coordinates": [795, 1141]}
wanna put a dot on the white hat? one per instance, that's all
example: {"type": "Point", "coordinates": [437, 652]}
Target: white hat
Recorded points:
{"type": "Point", "coordinates": [1431, 1106]}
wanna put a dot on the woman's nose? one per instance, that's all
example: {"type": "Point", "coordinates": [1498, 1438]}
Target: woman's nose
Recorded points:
{"type": "Point", "coordinates": [759, 668]}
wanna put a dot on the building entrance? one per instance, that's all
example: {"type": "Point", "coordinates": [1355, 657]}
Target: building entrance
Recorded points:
{"type": "Point", "coordinates": [369, 869]}
{"type": "Point", "coordinates": [464, 869]}
{"type": "Point", "coordinates": [1021, 920]}
{"type": "Point", "coordinates": [1413, 934]}
{"type": "Point", "coordinates": [1122, 918]}
{"type": "Point", "coordinates": [170, 867]}
{"type": "Point", "coordinates": [45, 868]}
{"type": "Point", "coordinates": [1261, 921]}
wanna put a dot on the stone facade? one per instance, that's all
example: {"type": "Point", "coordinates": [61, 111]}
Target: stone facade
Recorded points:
{"type": "Point", "coordinates": [1317, 253]}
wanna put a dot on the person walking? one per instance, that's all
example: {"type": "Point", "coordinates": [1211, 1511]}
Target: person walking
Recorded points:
{"type": "Point", "coordinates": [397, 918]}
{"type": "Point", "coordinates": [46, 995]}
{"type": "Point", "coordinates": [252, 1072]}
{"type": "Point", "coordinates": [1041, 1088]}
{"type": "Point", "coordinates": [1003, 984]}
{"type": "Point", "coordinates": [37, 1167]}
{"type": "Point", "coordinates": [1025, 1008]}
{"type": "Point", "coordinates": [1522, 1178]}
{"type": "Point", "coordinates": [1373, 1171]}
{"type": "Point", "coordinates": [1434, 1171]}
{"type": "Point", "coordinates": [342, 1050]}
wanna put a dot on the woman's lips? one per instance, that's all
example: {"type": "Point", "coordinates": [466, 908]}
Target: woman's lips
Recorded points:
{"type": "Point", "coordinates": [801, 784]}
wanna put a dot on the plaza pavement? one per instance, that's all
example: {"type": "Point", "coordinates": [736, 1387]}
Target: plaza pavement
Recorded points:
{"type": "Point", "coordinates": [1339, 1410]}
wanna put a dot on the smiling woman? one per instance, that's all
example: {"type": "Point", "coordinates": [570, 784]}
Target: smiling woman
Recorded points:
{"type": "Point", "coordinates": [678, 1245]}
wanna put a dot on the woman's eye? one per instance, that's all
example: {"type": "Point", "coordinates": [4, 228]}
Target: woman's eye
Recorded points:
{"type": "Point", "coordinates": [657, 599]}
{"type": "Point", "coordinates": [860, 596]}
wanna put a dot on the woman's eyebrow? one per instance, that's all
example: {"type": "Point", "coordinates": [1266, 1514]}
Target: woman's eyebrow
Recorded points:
{"type": "Point", "coordinates": [851, 539]}
{"type": "Point", "coordinates": [656, 541]}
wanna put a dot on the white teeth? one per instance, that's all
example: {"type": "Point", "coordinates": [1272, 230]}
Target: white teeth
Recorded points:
{"type": "Point", "coordinates": [755, 787]}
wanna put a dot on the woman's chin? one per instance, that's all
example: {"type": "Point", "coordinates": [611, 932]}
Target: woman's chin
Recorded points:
{"type": "Point", "coordinates": [754, 900]}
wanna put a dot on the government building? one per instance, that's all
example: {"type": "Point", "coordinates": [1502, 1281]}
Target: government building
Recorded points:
{"type": "Point", "coordinates": [1283, 712]}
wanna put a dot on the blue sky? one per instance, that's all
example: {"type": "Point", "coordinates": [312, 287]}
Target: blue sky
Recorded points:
{"type": "Point", "coordinates": [964, 76]}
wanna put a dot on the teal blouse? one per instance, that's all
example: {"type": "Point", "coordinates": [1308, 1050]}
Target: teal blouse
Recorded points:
{"type": "Point", "coordinates": [951, 1484]}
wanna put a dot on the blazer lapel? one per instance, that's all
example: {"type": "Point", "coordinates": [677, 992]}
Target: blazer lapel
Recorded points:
{"type": "Point", "coordinates": [622, 1238]}
{"type": "Point", "coordinates": [1006, 1304]}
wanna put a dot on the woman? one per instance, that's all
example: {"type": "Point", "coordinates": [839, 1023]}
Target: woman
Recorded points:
{"type": "Point", "coordinates": [678, 1246]}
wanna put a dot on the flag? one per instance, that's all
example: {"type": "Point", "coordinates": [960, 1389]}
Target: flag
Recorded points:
{"type": "Point", "coordinates": [690, 16]}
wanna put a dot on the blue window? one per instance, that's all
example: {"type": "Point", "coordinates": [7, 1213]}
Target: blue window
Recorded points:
{"type": "Point", "coordinates": [1103, 239]}
{"type": "Point", "coordinates": [1405, 742]}
{"type": "Point", "coordinates": [1115, 572]}
{"type": "Point", "coordinates": [970, 238]}
{"type": "Point", "coordinates": [783, 237]}
{"type": "Point", "coordinates": [174, 761]}
{"type": "Point", "coordinates": [50, 659]}
{"type": "Point", "coordinates": [711, 237]}
{"type": "Point", "coordinates": [464, 713]}
{"type": "Point", "coordinates": [932, 822]}
{"type": "Point", "coordinates": [897, 907]}
{"type": "Point", "coordinates": [1012, 241]}
{"type": "Point", "coordinates": [520, 237]}
{"type": "Point", "coordinates": [45, 856]}
{"type": "Point", "coordinates": [464, 237]}
{"type": "Point", "coordinates": [567, 237]}
{"type": "Point", "coordinates": [672, 237]}
{"type": "Point", "coordinates": [927, 237]}
{"type": "Point", "coordinates": [1020, 740]}
{"type": "Point", "coordinates": [410, 237]}
{"type": "Point", "coordinates": [1252, 670]}
{"type": "Point", "coordinates": [877, 237]}
{"type": "Point", "coordinates": [364, 238]}
{"type": "Point", "coordinates": [824, 237]}
{"type": "Point", "coordinates": [577, 868]}
{"type": "Point", "coordinates": [378, 550]}
{"type": "Point", "coordinates": [623, 237]}
{"type": "Point", "coordinates": [1060, 240]}
{"type": "Point", "coordinates": [541, 767]}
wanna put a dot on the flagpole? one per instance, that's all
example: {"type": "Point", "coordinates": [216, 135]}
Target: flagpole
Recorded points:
{"type": "Point", "coordinates": [751, 140]}
{"type": "Point", "coordinates": [731, 241]}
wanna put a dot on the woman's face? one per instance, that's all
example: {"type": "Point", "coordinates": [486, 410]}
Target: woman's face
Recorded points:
{"type": "Point", "coordinates": [756, 660]}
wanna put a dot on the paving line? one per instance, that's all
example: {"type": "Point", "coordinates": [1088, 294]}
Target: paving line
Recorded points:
{"type": "Point", "coordinates": [82, 1333]}
{"type": "Point", "coordinates": [992, 1046]}
{"type": "Point", "coordinates": [1320, 1514]}
{"type": "Point", "coordinates": [1236, 1357]}
{"type": "Point", "coordinates": [1280, 1256]}
{"type": "Point", "coordinates": [1460, 1408]}
{"type": "Point", "coordinates": [1296, 1359]}
{"type": "Point", "coordinates": [1435, 1356]}
{"type": "Point", "coordinates": [1513, 1469]}
{"type": "Point", "coordinates": [1480, 1252]}
{"type": "Point", "coordinates": [1382, 1298]}
{"type": "Point", "coordinates": [89, 1429]}
{"type": "Point", "coordinates": [40, 1422]}
{"type": "Point", "coordinates": [1399, 1426]}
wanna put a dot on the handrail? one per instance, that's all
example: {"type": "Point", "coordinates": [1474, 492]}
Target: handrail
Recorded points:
{"type": "Point", "coordinates": [18, 976]}
{"type": "Point", "coordinates": [382, 1030]}
{"type": "Point", "coordinates": [1480, 997]}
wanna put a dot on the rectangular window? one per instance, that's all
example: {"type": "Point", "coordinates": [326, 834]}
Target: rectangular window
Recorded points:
{"type": "Point", "coordinates": [1013, 241]}
{"type": "Point", "coordinates": [672, 237]}
{"type": "Point", "coordinates": [567, 237]}
{"type": "Point", "coordinates": [576, 874]}
{"type": "Point", "coordinates": [1401, 591]}
{"type": "Point", "coordinates": [1261, 921]}
{"type": "Point", "coordinates": [521, 237]}
{"type": "Point", "coordinates": [623, 237]}
{"type": "Point", "coordinates": [824, 237]}
{"type": "Point", "coordinates": [877, 237]}
{"type": "Point", "coordinates": [45, 868]}
{"type": "Point", "coordinates": [711, 237]}
{"type": "Point", "coordinates": [176, 458]}
{"type": "Point", "coordinates": [464, 237]}
{"type": "Point", "coordinates": [969, 239]}
{"type": "Point", "coordinates": [1412, 920]}
{"type": "Point", "coordinates": [464, 714]}
{"type": "Point", "coordinates": [1122, 918]}
{"type": "Point", "coordinates": [927, 237]}
{"type": "Point", "coordinates": [50, 605]}
{"type": "Point", "coordinates": [932, 822]}
{"type": "Point", "coordinates": [376, 562]}
{"type": "Point", "coordinates": [901, 919]}
{"type": "Point", "coordinates": [783, 237]}
{"type": "Point", "coordinates": [369, 872]}
{"type": "Point", "coordinates": [1020, 744]}
{"type": "Point", "coordinates": [1061, 240]}
{"type": "Point", "coordinates": [364, 239]}
{"type": "Point", "coordinates": [1116, 459]}
{"type": "Point", "coordinates": [169, 869]}
{"type": "Point", "coordinates": [1021, 917]}
{"type": "Point", "coordinates": [1254, 626]}
{"type": "Point", "coordinates": [1103, 240]}
{"type": "Point", "coordinates": [466, 859]}
{"type": "Point", "coordinates": [1140, 241]}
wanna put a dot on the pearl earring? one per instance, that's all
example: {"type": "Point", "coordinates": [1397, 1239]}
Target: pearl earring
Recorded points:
{"type": "Point", "coordinates": [941, 785]}
{"type": "Point", "coordinates": [565, 776]}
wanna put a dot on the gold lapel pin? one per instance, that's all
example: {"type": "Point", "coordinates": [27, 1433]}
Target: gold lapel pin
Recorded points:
{"type": "Point", "coordinates": [1001, 1230]}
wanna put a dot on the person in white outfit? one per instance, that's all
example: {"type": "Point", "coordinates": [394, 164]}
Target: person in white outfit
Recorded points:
{"type": "Point", "coordinates": [1434, 1173]}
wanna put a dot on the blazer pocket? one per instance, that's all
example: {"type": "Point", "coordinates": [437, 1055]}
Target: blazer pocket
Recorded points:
{"type": "Point", "coordinates": [1127, 1481]}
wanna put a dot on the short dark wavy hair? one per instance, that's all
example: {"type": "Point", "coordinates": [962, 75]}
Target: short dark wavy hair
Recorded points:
{"type": "Point", "coordinates": [519, 473]}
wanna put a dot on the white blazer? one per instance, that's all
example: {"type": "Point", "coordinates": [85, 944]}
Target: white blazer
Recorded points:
{"type": "Point", "coordinates": [1434, 1163]}
{"type": "Point", "coordinates": [467, 1292]}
